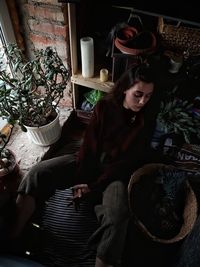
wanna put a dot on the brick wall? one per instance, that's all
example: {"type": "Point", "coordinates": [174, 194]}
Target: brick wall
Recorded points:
{"type": "Point", "coordinates": [45, 23]}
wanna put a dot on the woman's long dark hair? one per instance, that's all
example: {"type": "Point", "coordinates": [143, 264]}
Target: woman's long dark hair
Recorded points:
{"type": "Point", "coordinates": [142, 72]}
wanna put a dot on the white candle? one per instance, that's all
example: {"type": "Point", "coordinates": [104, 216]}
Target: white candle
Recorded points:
{"type": "Point", "coordinates": [87, 57]}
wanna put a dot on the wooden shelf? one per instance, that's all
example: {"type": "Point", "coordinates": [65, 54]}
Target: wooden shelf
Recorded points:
{"type": "Point", "coordinates": [93, 83]}
{"type": "Point", "coordinates": [77, 79]}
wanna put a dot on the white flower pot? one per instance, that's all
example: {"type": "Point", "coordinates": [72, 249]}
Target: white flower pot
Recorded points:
{"type": "Point", "coordinates": [46, 134]}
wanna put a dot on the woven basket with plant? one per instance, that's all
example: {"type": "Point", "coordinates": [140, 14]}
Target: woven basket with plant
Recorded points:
{"type": "Point", "coordinates": [162, 202]}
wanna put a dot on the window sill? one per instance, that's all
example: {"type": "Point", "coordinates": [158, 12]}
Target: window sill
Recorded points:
{"type": "Point", "coordinates": [26, 152]}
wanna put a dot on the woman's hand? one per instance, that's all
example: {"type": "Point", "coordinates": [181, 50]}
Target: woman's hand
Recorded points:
{"type": "Point", "coordinates": [79, 191]}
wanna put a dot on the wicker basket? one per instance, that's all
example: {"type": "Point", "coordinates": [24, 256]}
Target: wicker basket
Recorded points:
{"type": "Point", "coordinates": [179, 38]}
{"type": "Point", "coordinates": [190, 205]}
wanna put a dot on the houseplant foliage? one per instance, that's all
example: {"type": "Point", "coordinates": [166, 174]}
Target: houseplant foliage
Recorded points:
{"type": "Point", "coordinates": [31, 92]}
{"type": "Point", "coordinates": [177, 116]}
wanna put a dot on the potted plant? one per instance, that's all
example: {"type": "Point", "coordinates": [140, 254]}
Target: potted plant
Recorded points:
{"type": "Point", "coordinates": [176, 122]}
{"type": "Point", "coordinates": [10, 175]}
{"type": "Point", "coordinates": [31, 92]}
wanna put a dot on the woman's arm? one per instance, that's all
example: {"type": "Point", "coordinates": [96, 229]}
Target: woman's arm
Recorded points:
{"type": "Point", "coordinates": [88, 156]}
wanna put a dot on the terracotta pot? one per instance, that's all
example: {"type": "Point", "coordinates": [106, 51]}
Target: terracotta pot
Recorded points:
{"type": "Point", "coordinates": [10, 177]}
{"type": "Point", "coordinates": [125, 34]}
{"type": "Point", "coordinates": [144, 42]}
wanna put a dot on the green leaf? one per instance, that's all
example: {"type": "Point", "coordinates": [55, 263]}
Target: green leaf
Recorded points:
{"type": "Point", "coordinates": [23, 128]}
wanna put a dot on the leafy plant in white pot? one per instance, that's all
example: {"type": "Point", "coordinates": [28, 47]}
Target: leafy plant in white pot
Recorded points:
{"type": "Point", "coordinates": [30, 94]}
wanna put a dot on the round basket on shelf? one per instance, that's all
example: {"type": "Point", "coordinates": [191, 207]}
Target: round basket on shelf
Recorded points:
{"type": "Point", "coordinates": [162, 202]}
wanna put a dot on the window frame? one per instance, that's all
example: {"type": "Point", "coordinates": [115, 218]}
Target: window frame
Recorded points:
{"type": "Point", "coordinates": [7, 36]}
{"type": "Point", "coordinates": [6, 23]}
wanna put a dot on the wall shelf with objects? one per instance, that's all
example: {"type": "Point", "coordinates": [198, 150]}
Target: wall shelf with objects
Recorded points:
{"type": "Point", "coordinates": [78, 29]}
{"type": "Point", "coordinates": [90, 19]}
{"type": "Point", "coordinates": [93, 82]}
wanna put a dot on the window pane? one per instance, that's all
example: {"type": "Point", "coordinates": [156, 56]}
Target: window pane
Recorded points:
{"type": "Point", "coordinates": [6, 36]}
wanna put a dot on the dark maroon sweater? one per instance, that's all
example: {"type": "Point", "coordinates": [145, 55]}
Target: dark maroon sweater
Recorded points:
{"type": "Point", "coordinates": [115, 144]}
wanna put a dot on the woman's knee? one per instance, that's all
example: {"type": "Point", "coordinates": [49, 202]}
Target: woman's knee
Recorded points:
{"type": "Point", "coordinates": [47, 175]}
{"type": "Point", "coordinates": [38, 170]}
{"type": "Point", "coordinates": [115, 194]}
{"type": "Point", "coordinates": [115, 203]}
{"type": "Point", "coordinates": [31, 180]}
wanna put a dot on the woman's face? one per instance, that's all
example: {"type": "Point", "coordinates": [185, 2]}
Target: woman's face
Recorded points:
{"type": "Point", "coordinates": [138, 95]}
